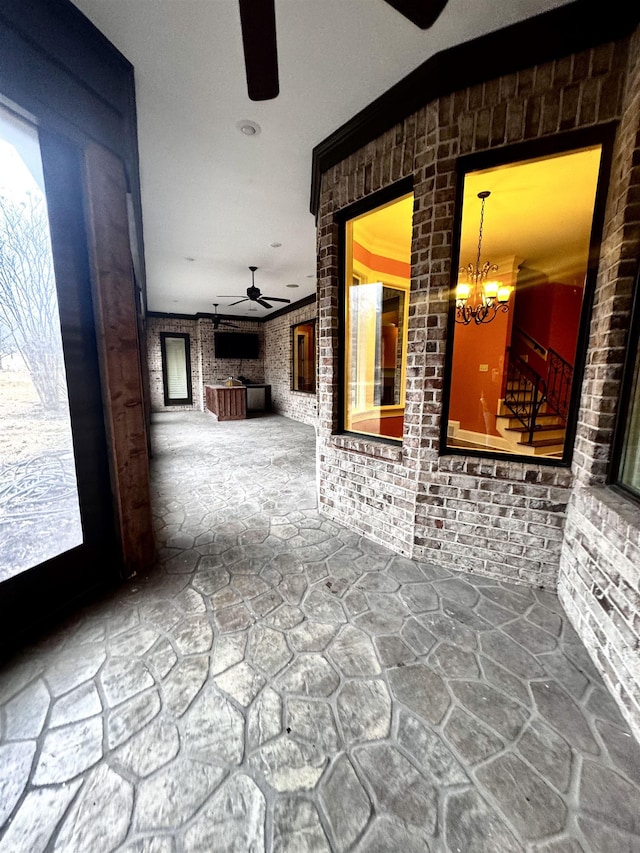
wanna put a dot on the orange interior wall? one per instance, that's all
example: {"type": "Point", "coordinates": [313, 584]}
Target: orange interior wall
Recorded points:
{"type": "Point", "coordinates": [379, 263]}
{"type": "Point", "coordinates": [475, 395]}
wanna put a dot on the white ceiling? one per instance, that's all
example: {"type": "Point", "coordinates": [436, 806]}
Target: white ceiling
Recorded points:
{"type": "Point", "coordinates": [213, 199]}
{"type": "Point", "coordinates": [540, 211]}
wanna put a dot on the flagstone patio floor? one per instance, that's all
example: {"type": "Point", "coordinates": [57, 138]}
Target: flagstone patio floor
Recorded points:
{"type": "Point", "coordinates": [279, 683]}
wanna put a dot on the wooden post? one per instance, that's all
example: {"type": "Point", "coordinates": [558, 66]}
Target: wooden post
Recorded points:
{"type": "Point", "coordinates": [115, 310]}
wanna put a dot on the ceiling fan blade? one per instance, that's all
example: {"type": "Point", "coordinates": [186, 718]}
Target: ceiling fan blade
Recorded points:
{"type": "Point", "coordinates": [246, 299]}
{"type": "Point", "coordinates": [276, 299]}
{"type": "Point", "coordinates": [422, 13]}
{"type": "Point", "coordinates": [263, 303]}
{"type": "Point", "coordinates": [258, 22]}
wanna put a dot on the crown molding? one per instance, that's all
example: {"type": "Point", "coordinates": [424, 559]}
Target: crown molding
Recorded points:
{"type": "Point", "coordinates": [205, 315]}
{"type": "Point", "coordinates": [301, 303]}
{"type": "Point", "coordinates": [551, 35]}
{"type": "Point", "coordinates": [200, 315]}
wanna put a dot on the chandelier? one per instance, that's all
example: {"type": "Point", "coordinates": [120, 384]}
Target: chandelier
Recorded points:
{"type": "Point", "coordinates": [479, 298]}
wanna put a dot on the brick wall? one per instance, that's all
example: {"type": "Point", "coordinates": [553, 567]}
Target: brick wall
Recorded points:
{"type": "Point", "coordinates": [504, 519]}
{"type": "Point", "coordinates": [297, 405]}
{"type": "Point", "coordinates": [216, 370]}
{"type": "Point", "coordinates": [273, 366]}
{"type": "Point", "coordinates": [206, 369]}
{"type": "Point", "coordinates": [599, 583]}
{"type": "Point", "coordinates": [599, 587]}
{"type": "Point", "coordinates": [498, 518]}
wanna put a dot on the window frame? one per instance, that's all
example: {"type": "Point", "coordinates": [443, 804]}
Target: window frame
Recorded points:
{"type": "Point", "coordinates": [311, 322]}
{"type": "Point", "coordinates": [602, 135]}
{"type": "Point", "coordinates": [172, 401]}
{"type": "Point", "coordinates": [384, 196]}
{"type": "Point", "coordinates": [632, 353]}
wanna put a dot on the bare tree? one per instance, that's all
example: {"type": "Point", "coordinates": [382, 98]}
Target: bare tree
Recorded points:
{"type": "Point", "coordinates": [7, 343]}
{"type": "Point", "coordinates": [28, 300]}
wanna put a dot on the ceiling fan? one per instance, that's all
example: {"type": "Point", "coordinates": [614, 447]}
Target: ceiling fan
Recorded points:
{"type": "Point", "coordinates": [258, 23]}
{"type": "Point", "coordinates": [254, 295]}
{"type": "Point", "coordinates": [219, 321]}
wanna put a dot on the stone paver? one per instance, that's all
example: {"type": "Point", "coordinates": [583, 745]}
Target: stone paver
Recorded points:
{"type": "Point", "coordinates": [345, 803]}
{"type": "Point", "coordinates": [278, 684]}
{"type": "Point", "coordinates": [100, 816]}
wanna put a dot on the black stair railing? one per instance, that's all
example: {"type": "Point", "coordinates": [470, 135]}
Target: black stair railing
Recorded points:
{"type": "Point", "coordinates": [530, 341]}
{"type": "Point", "coordinates": [559, 381]}
{"type": "Point", "coordinates": [528, 394]}
{"type": "Point", "coordinates": [525, 394]}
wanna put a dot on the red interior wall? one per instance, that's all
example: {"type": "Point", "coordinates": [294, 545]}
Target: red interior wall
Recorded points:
{"type": "Point", "coordinates": [531, 311]}
{"type": "Point", "coordinates": [550, 313]}
{"type": "Point", "coordinates": [308, 355]}
{"type": "Point", "coordinates": [565, 320]}
{"type": "Point", "coordinates": [389, 346]}
{"type": "Point", "coordinates": [532, 315]}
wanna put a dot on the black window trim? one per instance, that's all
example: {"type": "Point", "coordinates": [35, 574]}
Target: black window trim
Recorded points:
{"type": "Point", "coordinates": [548, 146]}
{"type": "Point", "coordinates": [188, 400]}
{"type": "Point", "coordinates": [632, 352]}
{"type": "Point", "coordinates": [387, 194]}
{"type": "Point", "coordinates": [310, 322]}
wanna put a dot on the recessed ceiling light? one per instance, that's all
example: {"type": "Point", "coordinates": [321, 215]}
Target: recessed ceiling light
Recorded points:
{"type": "Point", "coordinates": [275, 245]}
{"type": "Point", "coordinates": [252, 308]}
{"type": "Point", "coordinates": [293, 285]}
{"type": "Point", "coordinates": [248, 128]}
{"type": "Point", "coordinates": [189, 259]}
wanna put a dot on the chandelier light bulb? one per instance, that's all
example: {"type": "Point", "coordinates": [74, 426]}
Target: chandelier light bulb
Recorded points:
{"type": "Point", "coordinates": [463, 291]}
{"type": "Point", "coordinates": [491, 289]}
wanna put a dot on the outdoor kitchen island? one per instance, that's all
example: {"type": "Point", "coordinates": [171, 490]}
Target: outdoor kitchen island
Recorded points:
{"type": "Point", "coordinates": [235, 402]}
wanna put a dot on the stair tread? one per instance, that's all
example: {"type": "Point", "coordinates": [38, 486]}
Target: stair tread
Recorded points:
{"type": "Point", "coordinates": [517, 426]}
{"type": "Point", "coordinates": [542, 442]}
{"type": "Point", "coordinates": [540, 428]}
{"type": "Point", "coordinates": [538, 416]}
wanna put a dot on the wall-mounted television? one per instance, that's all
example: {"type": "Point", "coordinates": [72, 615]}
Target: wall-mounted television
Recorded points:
{"type": "Point", "coordinates": [237, 345]}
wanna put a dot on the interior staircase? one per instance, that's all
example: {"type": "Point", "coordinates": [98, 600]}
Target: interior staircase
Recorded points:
{"type": "Point", "coordinates": [534, 410]}
{"type": "Point", "coordinates": [531, 419]}
{"type": "Point", "coordinates": [548, 435]}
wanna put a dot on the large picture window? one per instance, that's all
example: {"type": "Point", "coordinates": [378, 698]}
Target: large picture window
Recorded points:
{"type": "Point", "coordinates": [376, 303]}
{"type": "Point", "coordinates": [626, 467]}
{"type": "Point", "coordinates": [303, 352]}
{"type": "Point", "coordinates": [176, 368]}
{"type": "Point", "coordinates": [526, 238]}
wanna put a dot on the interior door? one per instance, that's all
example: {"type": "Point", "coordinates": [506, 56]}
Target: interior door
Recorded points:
{"type": "Point", "coordinates": [57, 537]}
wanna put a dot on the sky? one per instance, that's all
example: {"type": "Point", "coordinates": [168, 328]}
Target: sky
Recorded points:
{"type": "Point", "coordinates": [20, 161]}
